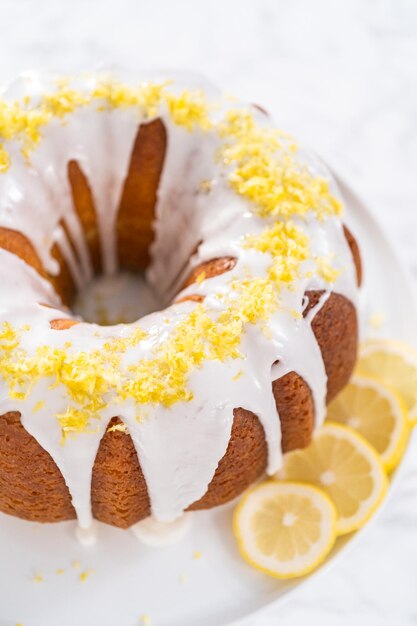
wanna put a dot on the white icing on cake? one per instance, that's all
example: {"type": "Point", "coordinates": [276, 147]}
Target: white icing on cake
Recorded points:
{"type": "Point", "coordinates": [87, 536]}
{"type": "Point", "coordinates": [179, 446]}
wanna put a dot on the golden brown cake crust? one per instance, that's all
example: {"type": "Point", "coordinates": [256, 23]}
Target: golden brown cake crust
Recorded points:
{"type": "Point", "coordinates": [31, 485]}
{"type": "Point", "coordinates": [336, 329]}
{"type": "Point", "coordinates": [84, 207]}
{"type": "Point", "coordinates": [119, 495]}
{"type": "Point", "coordinates": [137, 207]}
{"type": "Point", "coordinates": [354, 248]}
{"type": "Point", "coordinates": [209, 269]}
{"type": "Point", "coordinates": [62, 323]}
{"type": "Point", "coordinates": [118, 489]}
{"type": "Point", "coordinates": [295, 407]}
{"type": "Point", "coordinates": [243, 463]}
{"type": "Point", "coordinates": [16, 243]}
{"type": "Point", "coordinates": [193, 297]}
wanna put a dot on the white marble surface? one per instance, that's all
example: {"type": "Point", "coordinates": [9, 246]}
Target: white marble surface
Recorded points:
{"type": "Point", "coordinates": [343, 76]}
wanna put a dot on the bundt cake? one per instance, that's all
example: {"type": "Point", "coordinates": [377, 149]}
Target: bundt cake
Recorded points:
{"type": "Point", "coordinates": [239, 232]}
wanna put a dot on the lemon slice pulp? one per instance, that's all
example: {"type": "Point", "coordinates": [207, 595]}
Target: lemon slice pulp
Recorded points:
{"type": "Point", "coordinates": [393, 364]}
{"type": "Point", "coordinates": [346, 467]}
{"type": "Point", "coordinates": [285, 529]}
{"type": "Point", "coordinates": [378, 413]}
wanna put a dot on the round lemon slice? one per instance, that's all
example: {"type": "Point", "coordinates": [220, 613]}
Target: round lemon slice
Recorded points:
{"type": "Point", "coordinates": [285, 529]}
{"type": "Point", "coordinates": [376, 412]}
{"type": "Point", "coordinates": [346, 467]}
{"type": "Point", "coordinates": [393, 364]}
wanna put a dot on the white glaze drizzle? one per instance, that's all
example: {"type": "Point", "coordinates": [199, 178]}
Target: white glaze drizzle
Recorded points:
{"type": "Point", "coordinates": [179, 447]}
{"type": "Point", "coordinates": [160, 534]}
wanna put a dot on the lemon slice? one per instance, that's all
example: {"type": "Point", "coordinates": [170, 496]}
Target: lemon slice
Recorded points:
{"type": "Point", "coordinates": [346, 467]}
{"type": "Point", "coordinates": [285, 529]}
{"type": "Point", "coordinates": [376, 412]}
{"type": "Point", "coordinates": [395, 365]}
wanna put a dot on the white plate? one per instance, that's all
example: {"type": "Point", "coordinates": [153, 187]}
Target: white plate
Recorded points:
{"type": "Point", "coordinates": [169, 584]}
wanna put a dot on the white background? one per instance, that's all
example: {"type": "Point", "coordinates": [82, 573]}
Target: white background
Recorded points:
{"type": "Point", "coordinates": [342, 75]}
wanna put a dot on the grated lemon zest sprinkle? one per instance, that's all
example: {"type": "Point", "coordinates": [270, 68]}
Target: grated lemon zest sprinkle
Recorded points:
{"type": "Point", "coordinates": [25, 123]}
{"type": "Point", "coordinates": [325, 269]}
{"type": "Point", "coordinates": [38, 578]}
{"type": "Point", "coordinates": [262, 160]}
{"type": "Point", "coordinates": [377, 320]}
{"type": "Point", "coordinates": [265, 171]}
{"type": "Point", "coordinates": [85, 575]}
{"type": "Point", "coordinates": [87, 376]}
{"type": "Point", "coordinates": [287, 245]}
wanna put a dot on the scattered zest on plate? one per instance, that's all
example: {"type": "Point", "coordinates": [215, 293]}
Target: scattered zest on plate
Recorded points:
{"type": "Point", "coordinates": [343, 464]}
{"type": "Point", "coordinates": [378, 413]}
{"type": "Point", "coordinates": [394, 364]}
{"type": "Point", "coordinates": [285, 529]}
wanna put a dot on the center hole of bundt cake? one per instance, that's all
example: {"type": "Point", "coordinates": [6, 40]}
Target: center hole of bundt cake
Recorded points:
{"type": "Point", "coordinates": [119, 299]}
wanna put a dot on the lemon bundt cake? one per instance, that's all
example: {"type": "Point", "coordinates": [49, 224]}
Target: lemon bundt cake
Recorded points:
{"type": "Point", "coordinates": [241, 236]}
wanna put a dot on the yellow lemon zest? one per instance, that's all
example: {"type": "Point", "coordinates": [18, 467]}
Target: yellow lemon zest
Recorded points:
{"type": "Point", "coordinates": [265, 170]}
